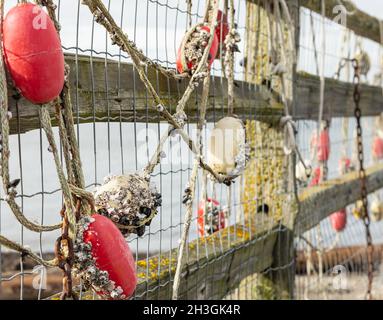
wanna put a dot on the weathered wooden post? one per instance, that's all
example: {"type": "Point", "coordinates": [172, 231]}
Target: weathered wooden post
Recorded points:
{"type": "Point", "coordinates": [269, 179]}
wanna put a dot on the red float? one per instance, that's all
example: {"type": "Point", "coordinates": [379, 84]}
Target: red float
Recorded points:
{"type": "Point", "coordinates": [217, 217]}
{"type": "Point", "coordinates": [316, 178]}
{"type": "Point", "coordinates": [322, 145]}
{"type": "Point", "coordinates": [112, 254]}
{"type": "Point", "coordinates": [222, 30]}
{"type": "Point", "coordinates": [192, 48]}
{"type": "Point", "coordinates": [377, 148]}
{"type": "Point", "coordinates": [33, 53]}
{"type": "Point", "coordinates": [339, 220]}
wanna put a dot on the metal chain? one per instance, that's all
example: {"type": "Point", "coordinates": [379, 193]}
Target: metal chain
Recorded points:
{"type": "Point", "coordinates": [341, 66]}
{"type": "Point", "coordinates": [65, 255]}
{"type": "Point", "coordinates": [362, 176]}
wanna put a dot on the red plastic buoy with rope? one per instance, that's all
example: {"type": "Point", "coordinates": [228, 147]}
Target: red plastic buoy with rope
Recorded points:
{"type": "Point", "coordinates": [111, 254]}
{"type": "Point", "coordinates": [339, 220]}
{"type": "Point", "coordinates": [193, 47]}
{"type": "Point", "coordinates": [33, 53]}
{"type": "Point", "coordinates": [211, 222]}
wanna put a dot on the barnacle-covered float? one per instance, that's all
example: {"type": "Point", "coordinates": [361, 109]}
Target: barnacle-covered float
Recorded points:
{"type": "Point", "coordinates": [103, 258]}
{"type": "Point", "coordinates": [193, 48]}
{"type": "Point", "coordinates": [130, 201]}
{"type": "Point", "coordinates": [211, 217]}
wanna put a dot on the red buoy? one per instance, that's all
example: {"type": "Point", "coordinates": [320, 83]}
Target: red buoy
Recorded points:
{"type": "Point", "coordinates": [222, 30]}
{"type": "Point", "coordinates": [322, 145]}
{"type": "Point", "coordinates": [316, 178]}
{"type": "Point", "coordinates": [377, 148]}
{"type": "Point", "coordinates": [112, 254]}
{"type": "Point", "coordinates": [215, 218]}
{"type": "Point", "coordinates": [33, 53]}
{"type": "Point", "coordinates": [192, 48]}
{"type": "Point", "coordinates": [339, 220]}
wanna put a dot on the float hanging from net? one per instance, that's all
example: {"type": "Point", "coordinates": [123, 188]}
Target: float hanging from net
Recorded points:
{"type": "Point", "coordinates": [33, 54]}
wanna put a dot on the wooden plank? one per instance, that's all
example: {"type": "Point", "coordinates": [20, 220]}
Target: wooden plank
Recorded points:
{"type": "Point", "coordinates": [282, 273]}
{"type": "Point", "coordinates": [360, 22]}
{"type": "Point", "coordinates": [215, 264]}
{"type": "Point", "coordinates": [211, 273]}
{"type": "Point", "coordinates": [317, 203]}
{"type": "Point", "coordinates": [94, 98]}
{"type": "Point", "coordinates": [96, 95]}
{"type": "Point", "coordinates": [338, 98]}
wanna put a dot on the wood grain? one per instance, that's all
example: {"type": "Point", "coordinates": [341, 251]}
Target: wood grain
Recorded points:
{"type": "Point", "coordinates": [95, 99]}
{"type": "Point", "coordinates": [105, 90]}
{"type": "Point", "coordinates": [317, 203]}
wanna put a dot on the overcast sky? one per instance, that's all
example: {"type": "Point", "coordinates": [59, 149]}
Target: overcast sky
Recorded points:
{"type": "Point", "coordinates": [373, 7]}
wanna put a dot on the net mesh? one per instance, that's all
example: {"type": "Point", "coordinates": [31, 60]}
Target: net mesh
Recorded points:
{"type": "Point", "coordinates": [118, 132]}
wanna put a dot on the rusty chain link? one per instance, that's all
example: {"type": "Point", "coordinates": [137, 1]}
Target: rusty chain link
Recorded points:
{"type": "Point", "coordinates": [65, 255]}
{"type": "Point", "coordinates": [362, 176]}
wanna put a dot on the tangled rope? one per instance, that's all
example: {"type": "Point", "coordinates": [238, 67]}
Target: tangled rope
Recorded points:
{"type": "Point", "coordinates": [72, 185]}
{"type": "Point", "coordinates": [176, 121]}
{"type": "Point", "coordinates": [72, 181]}
{"type": "Point", "coordinates": [190, 190]}
{"type": "Point", "coordinates": [77, 201]}
{"type": "Point", "coordinates": [9, 187]}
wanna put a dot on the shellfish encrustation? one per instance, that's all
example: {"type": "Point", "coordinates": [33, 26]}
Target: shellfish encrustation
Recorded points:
{"type": "Point", "coordinates": [130, 201]}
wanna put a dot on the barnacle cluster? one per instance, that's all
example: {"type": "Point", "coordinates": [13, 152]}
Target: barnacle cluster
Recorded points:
{"type": "Point", "coordinates": [130, 201]}
{"type": "Point", "coordinates": [242, 157]}
{"type": "Point", "coordinates": [195, 46]}
{"type": "Point", "coordinates": [214, 217]}
{"type": "Point", "coordinates": [231, 45]}
{"type": "Point", "coordinates": [86, 268]}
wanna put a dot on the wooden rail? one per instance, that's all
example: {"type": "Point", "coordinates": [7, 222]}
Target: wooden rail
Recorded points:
{"type": "Point", "coordinates": [215, 264]}
{"type": "Point", "coordinates": [361, 23]}
{"type": "Point", "coordinates": [95, 99]}
{"type": "Point", "coordinates": [212, 272]}
{"type": "Point", "coordinates": [251, 251]}
{"type": "Point", "coordinates": [96, 96]}
{"type": "Point", "coordinates": [338, 98]}
{"type": "Point", "coordinates": [319, 202]}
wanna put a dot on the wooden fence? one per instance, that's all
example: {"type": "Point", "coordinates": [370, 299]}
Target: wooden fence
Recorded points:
{"type": "Point", "coordinates": [256, 244]}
